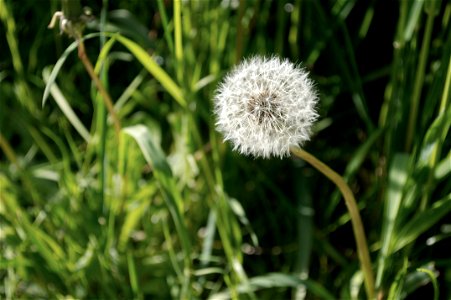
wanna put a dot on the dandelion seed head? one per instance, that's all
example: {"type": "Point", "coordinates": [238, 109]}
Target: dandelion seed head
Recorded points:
{"type": "Point", "coordinates": [264, 106]}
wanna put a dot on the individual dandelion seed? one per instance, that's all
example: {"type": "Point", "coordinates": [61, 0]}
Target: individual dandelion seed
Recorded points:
{"type": "Point", "coordinates": [265, 105]}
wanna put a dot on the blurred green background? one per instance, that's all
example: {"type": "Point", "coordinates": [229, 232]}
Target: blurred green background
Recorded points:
{"type": "Point", "coordinates": [166, 209]}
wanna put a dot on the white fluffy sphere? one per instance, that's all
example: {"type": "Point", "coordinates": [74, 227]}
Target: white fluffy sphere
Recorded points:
{"type": "Point", "coordinates": [264, 106]}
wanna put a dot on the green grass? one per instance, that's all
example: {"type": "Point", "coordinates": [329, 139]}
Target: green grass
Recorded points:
{"type": "Point", "coordinates": [166, 210]}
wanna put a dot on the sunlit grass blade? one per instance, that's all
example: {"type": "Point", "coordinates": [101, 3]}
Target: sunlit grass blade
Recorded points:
{"type": "Point", "coordinates": [422, 222]}
{"type": "Point", "coordinates": [277, 280]}
{"type": "Point", "coordinates": [103, 55]}
{"type": "Point", "coordinates": [156, 158]}
{"type": "Point", "coordinates": [43, 145]}
{"type": "Point", "coordinates": [128, 92]}
{"type": "Point", "coordinates": [238, 210]}
{"type": "Point", "coordinates": [147, 61]}
{"type": "Point", "coordinates": [443, 168]}
{"type": "Point", "coordinates": [8, 20]}
{"type": "Point", "coordinates": [133, 276]}
{"type": "Point", "coordinates": [413, 18]}
{"type": "Point", "coordinates": [396, 286]}
{"type": "Point", "coordinates": [164, 20]}
{"type": "Point", "coordinates": [178, 33]}
{"type": "Point", "coordinates": [46, 246]}
{"type": "Point", "coordinates": [51, 79]}
{"type": "Point", "coordinates": [207, 245]}
{"type": "Point", "coordinates": [135, 212]}
{"type": "Point", "coordinates": [397, 178]}
{"type": "Point", "coordinates": [434, 140]}
{"type": "Point", "coordinates": [414, 104]}
{"type": "Point", "coordinates": [88, 256]}
{"type": "Point", "coordinates": [65, 107]}
{"type": "Point", "coordinates": [305, 213]}
{"type": "Point", "coordinates": [56, 69]}
{"type": "Point", "coordinates": [151, 151]}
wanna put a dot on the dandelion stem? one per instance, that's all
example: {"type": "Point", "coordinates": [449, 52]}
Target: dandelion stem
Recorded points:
{"type": "Point", "coordinates": [351, 204]}
{"type": "Point", "coordinates": [103, 92]}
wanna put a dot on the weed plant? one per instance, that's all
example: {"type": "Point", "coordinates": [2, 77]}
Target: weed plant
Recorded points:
{"type": "Point", "coordinates": [149, 203]}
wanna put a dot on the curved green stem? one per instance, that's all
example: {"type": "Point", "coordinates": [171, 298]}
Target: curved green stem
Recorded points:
{"type": "Point", "coordinates": [100, 87]}
{"type": "Point", "coordinates": [351, 204]}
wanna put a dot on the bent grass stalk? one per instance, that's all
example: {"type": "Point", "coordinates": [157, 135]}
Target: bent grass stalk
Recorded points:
{"type": "Point", "coordinates": [103, 92]}
{"type": "Point", "coordinates": [356, 220]}
{"type": "Point", "coordinates": [72, 22]}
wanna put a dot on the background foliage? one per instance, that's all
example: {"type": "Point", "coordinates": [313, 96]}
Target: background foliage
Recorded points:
{"type": "Point", "coordinates": [170, 211]}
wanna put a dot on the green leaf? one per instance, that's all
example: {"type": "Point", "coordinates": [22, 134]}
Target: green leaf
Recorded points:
{"type": "Point", "coordinates": [151, 151]}
{"type": "Point", "coordinates": [59, 64]}
{"type": "Point", "coordinates": [133, 275]}
{"type": "Point", "coordinates": [443, 167]}
{"type": "Point", "coordinates": [85, 260]}
{"type": "Point", "coordinates": [47, 247]}
{"type": "Point", "coordinates": [277, 280]}
{"type": "Point", "coordinates": [238, 210]}
{"type": "Point", "coordinates": [136, 211]}
{"type": "Point", "coordinates": [408, 283]}
{"type": "Point", "coordinates": [413, 19]}
{"type": "Point", "coordinates": [65, 106]}
{"type": "Point", "coordinates": [104, 53]}
{"type": "Point", "coordinates": [422, 222]}
{"type": "Point", "coordinates": [164, 21]}
{"type": "Point", "coordinates": [51, 79]}
{"type": "Point", "coordinates": [143, 57]}
{"type": "Point", "coordinates": [156, 158]}
{"type": "Point", "coordinates": [433, 278]}
{"type": "Point", "coordinates": [207, 245]}
{"type": "Point", "coordinates": [359, 156]}
{"type": "Point", "coordinates": [435, 136]}
{"type": "Point", "coordinates": [397, 179]}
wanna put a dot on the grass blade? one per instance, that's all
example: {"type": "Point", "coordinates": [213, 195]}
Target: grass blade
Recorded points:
{"type": "Point", "coordinates": [131, 220]}
{"type": "Point", "coordinates": [164, 20]}
{"type": "Point", "coordinates": [133, 276]}
{"type": "Point", "coordinates": [65, 107]}
{"type": "Point", "coordinates": [156, 158]}
{"type": "Point", "coordinates": [397, 179]}
{"type": "Point", "coordinates": [422, 222]}
{"type": "Point", "coordinates": [56, 69]}
{"type": "Point", "coordinates": [150, 150]}
{"type": "Point", "coordinates": [52, 77]}
{"type": "Point", "coordinates": [277, 280]}
{"type": "Point", "coordinates": [143, 57]}
{"type": "Point", "coordinates": [433, 278]}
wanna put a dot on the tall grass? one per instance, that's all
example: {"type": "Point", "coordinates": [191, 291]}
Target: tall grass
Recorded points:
{"type": "Point", "coordinates": [164, 209]}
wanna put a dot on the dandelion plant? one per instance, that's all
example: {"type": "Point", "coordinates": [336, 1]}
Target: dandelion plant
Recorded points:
{"type": "Point", "coordinates": [266, 107]}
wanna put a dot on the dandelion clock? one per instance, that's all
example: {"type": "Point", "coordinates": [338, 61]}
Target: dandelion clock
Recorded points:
{"type": "Point", "coordinates": [266, 107]}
